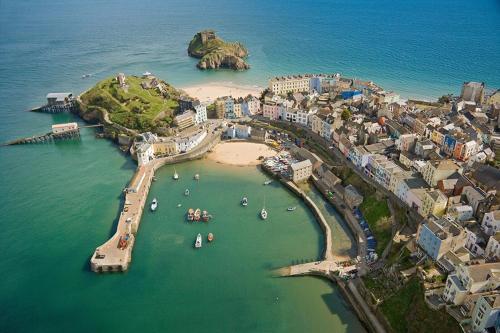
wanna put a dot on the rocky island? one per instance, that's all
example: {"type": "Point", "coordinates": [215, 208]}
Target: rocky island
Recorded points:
{"type": "Point", "coordinates": [214, 52]}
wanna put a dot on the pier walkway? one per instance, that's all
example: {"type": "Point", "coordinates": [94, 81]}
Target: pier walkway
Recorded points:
{"type": "Point", "coordinates": [115, 254]}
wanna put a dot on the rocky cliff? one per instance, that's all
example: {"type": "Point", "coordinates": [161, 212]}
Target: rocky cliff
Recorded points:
{"type": "Point", "coordinates": [216, 53]}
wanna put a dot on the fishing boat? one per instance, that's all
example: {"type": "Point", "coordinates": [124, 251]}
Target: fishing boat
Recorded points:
{"type": "Point", "coordinates": [204, 216]}
{"type": "Point", "coordinates": [267, 182]}
{"type": "Point", "coordinates": [176, 175]}
{"type": "Point", "coordinates": [210, 237]}
{"type": "Point", "coordinates": [244, 201]}
{"type": "Point", "coordinates": [186, 192]}
{"type": "Point", "coordinates": [197, 176]}
{"type": "Point", "coordinates": [154, 205]}
{"type": "Point", "coordinates": [291, 209]}
{"type": "Point", "coordinates": [197, 214]}
{"type": "Point", "coordinates": [197, 244]}
{"type": "Point", "coordinates": [190, 214]}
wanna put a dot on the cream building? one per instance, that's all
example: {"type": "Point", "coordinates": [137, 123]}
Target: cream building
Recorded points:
{"type": "Point", "coordinates": [286, 84]}
{"type": "Point", "coordinates": [301, 171]}
{"type": "Point", "coordinates": [435, 171]}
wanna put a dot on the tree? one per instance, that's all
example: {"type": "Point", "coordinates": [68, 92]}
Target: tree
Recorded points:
{"type": "Point", "coordinates": [346, 114]}
{"type": "Point", "coordinates": [445, 99]}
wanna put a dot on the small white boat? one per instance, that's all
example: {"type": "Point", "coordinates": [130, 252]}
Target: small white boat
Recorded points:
{"type": "Point", "coordinates": [179, 205]}
{"type": "Point", "coordinates": [197, 244]}
{"type": "Point", "coordinates": [84, 76]}
{"type": "Point", "coordinates": [291, 209]}
{"type": "Point", "coordinates": [267, 182]}
{"type": "Point", "coordinates": [263, 214]}
{"type": "Point", "coordinates": [176, 175]}
{"type": "Point", "coordinates": [154, 205]}
{"type": "Point", "coordinates": [197, 176]}
{"type": "Point", "coordinates": [186, 192]}
{"type": "Point", "coordinates": [244, 201]}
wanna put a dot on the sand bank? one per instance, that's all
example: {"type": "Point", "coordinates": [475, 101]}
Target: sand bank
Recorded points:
{"type": "Point", "coordinates": [208, 92]}
{"type": "Point", "coordinates": [240, 153]}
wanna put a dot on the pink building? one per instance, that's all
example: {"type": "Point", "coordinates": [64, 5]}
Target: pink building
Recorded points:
{"type": "Point", "coordinates": [271, 111]}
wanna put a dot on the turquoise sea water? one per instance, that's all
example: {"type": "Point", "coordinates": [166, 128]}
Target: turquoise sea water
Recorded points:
{"type": "Point", "coordinates": [59, 201]}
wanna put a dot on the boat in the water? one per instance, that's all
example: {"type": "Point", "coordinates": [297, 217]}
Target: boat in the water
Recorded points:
{"type": "Point", "coordinates": [190, 214]}
{"type": "Point", "coordinates": [210, 237]}
{"type": "Point", "coordinates": [244, 201]}
{"type": "Point", "coordinates": [179, 205]}
{"type": "Point", "coordinates": [291, 209]}
{"type": "Point", "coordinates": [267, 182]}
{"type": "Point", "coordinates": [84, 76]}
{"type": "Point", "coordinates": [197, 214]}
{"type": "Point", "coordinates": [154, 178]}
{"type": "Point", "coordinates": [186, 192]}
{"type": "Point", "coordinates": [197, 244]}
{"type": "Point", "coordinates": [197, 176]}
{"type": "Point", "coordinates": [154, 205]}
{"type": "Point", "coordinates": [263, 214]}
{"type": "Point", "coordinates": [176, 175]}
{"type": "Point", "coordinates": [204, 216]}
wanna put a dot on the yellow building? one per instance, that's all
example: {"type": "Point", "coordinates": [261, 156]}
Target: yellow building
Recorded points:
{"type": "Point", "coordinates": [237, 110]}
{"type": "Point", "coordinates": [434, 203]}
{"type": "Point", "coordinates": [286, 84]}
{"type": "Point", "coordinates": [165, 148]}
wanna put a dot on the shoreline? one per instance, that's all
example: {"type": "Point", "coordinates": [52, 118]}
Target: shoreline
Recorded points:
{"type": "Point", "coordinates": [210, 91]}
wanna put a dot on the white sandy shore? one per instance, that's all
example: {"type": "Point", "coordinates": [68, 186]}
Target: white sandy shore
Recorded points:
{"type": "Point", "coordinates": [208, 92]}
{"type": "Point", "coordinates": [240, 153]}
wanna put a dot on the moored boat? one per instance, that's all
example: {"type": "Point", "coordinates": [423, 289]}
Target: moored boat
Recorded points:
{"type": "Point", "coordinates": [210, 237]}
{"type": "Point", "coordinates": [186, 192]}
{"type": "Point", "coordinates": [197, 243]}
{"type": "Point", "coordinates": [176, 175]}
{"type": "Point", "coordinates": [204, 216]}
{"type": "Point", "coordinates": [267, 182]}
{"type": "Point", "coordinates": [197, 214]}
{"type": "Point", "coordinates": [263, 214]}
{"type": "Point", "coordinates": [154, 204]}
{"type": "Point", "coordinates": [291, 209]}
{"type": "Point", "coordinates": [244, 201]}
{"type": "Point", "coordinates": [190, 214]}
{"type": "Point", "coordinates": [197, 176]}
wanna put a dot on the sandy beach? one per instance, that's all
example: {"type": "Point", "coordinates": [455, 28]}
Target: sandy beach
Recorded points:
{"type": "Point", "coordinates": [208, 92]}
{"type": "Point", "coordinates": [240, 153]}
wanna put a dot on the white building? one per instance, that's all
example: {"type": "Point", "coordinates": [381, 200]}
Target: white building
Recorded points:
{"type": "Point", "coordinates": [145, 153]}
{"type": "Point", "coordinates": [486, 313]}
{"type": "Point", "coordinates": [470, 279]}
{"type": "Point", "coordinates": [491, 222]}
{"type": "Point", "coordinates": [301, 171]}
{"type": "Point", "coordinates": [200, 110]}
{"type": "Point", "coordinates": [243, 131]}
{"type": "Point", "coordinates": [186, 144]}
{"type": "Point", "coordinates": [63, 128]}
{"type": "Point", "coordinates": [492, 250]}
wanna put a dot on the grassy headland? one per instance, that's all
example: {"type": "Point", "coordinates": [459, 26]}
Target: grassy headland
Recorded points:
{"type": "Point", "coordinates": [133, 106]}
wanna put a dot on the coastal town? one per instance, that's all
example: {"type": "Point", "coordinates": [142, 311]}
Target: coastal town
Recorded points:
{"type": "Point", "coordinates": [416, 181]}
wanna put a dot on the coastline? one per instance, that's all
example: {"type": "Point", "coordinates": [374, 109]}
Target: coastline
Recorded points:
{"type": "Point", "coordinates": [208, 92]}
